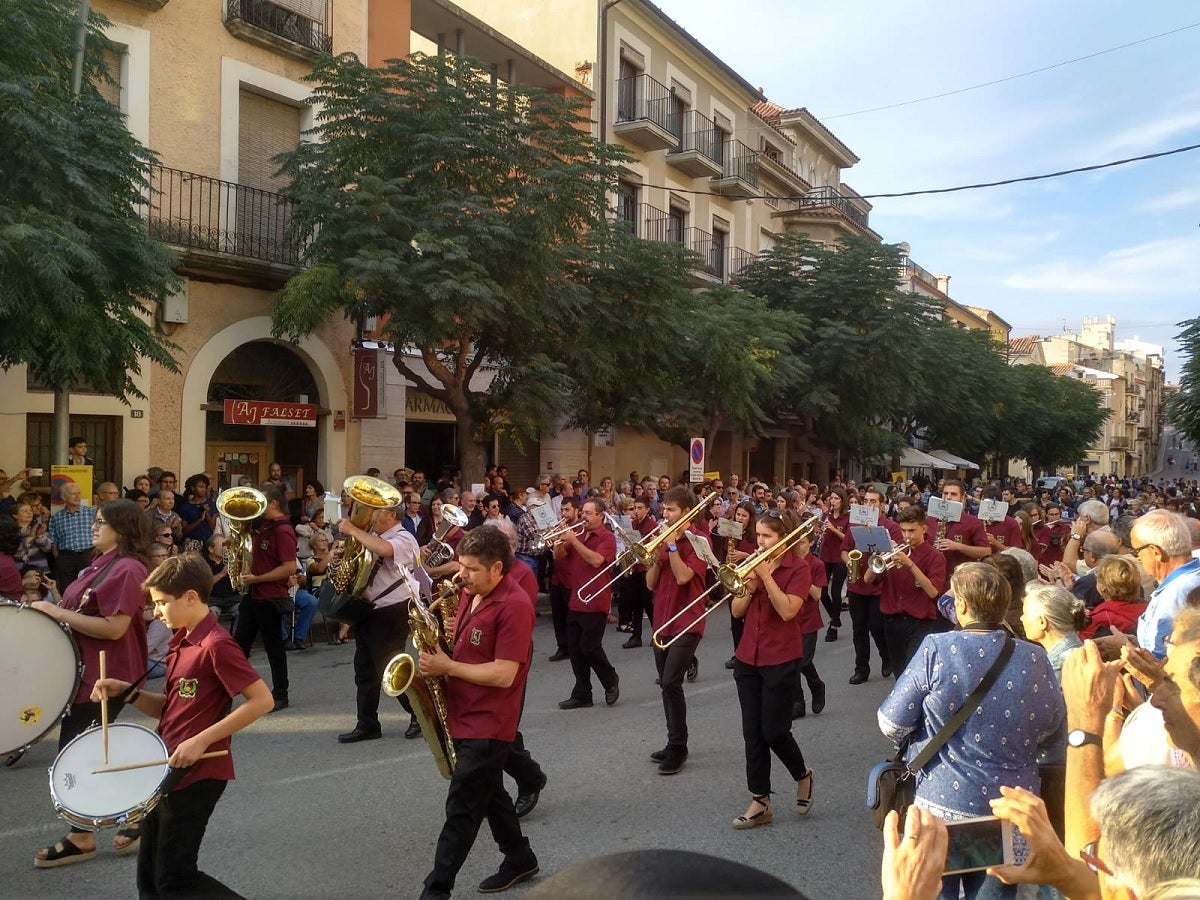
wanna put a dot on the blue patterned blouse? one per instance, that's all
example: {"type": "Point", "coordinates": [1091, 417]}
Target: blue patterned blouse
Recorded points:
{"type": "Point", "coordinates": [998, 745]}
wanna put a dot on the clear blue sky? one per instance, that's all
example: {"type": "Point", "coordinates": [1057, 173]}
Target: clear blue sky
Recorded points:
{"type": "Point", "coordinates": [1123, 242]}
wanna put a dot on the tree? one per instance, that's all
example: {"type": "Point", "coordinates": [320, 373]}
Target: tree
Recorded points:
{"type": "Point", "coordinates": [1183, 409]}
{"type": "Point", "coordinates": [471, 217]}
{"type": "Point", "coordinates": [1046, 419]}
{"type": "Point", "coordinates": [80, 270]}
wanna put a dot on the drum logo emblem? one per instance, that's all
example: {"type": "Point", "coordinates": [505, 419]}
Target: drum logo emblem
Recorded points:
{"type": "Point", "coordinates": [30, 715]}
{"type": "Point", "coordinates": [187, 687]}
{"type": "Point", "coordinates": [476, 637]}
{"type": "Point", "coordinates": [69, 780]}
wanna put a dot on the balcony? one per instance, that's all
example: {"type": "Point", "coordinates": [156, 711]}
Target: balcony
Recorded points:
{"type": "Point", "coordinates": [644, 113]}
{"type": "Point", "coordinates": [909, 270]}
{"type": "Point", "coordinates": [700, 147]}
{"type": "Point", "coordinates": [739, 171]}
{"type": "Point", "coordinates": [1118, 442]}
{"type": "Point", "coordinates": [222, 224]}
{"type": "Point", "coordinates": [736, 259]}
{"type": "Point", "coordinates": [301, 28]}
{"type": "Point", "coordinates": [829, 198]}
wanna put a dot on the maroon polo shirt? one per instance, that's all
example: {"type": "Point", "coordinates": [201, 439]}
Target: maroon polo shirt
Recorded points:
{"type": "Point", "coordinates": [1052, 541]}
{"type": "Point", "coordinates": [643, 528]}
{"type": "Point", "coordinates": [576, 571]}
{"type": "Point", "coordinates": [274, 544]}
{"type": "Point", "coordinates": [810, 612]}
{"type": "Point", "coordinates": [968, 530]}
{"type": "Point", "coordinates": [101, 591]}
{"type": "Point", "coordinates": [670, 596]}
{"type": "Point", "coordinates": [900, 594]}
{"type": "Point", "coordinates": [205, 671]}
{"type": "Point", "coordinates": [871, 588]}
{"type": "Point", "coordinates": [1007, 531]}
{"type": "Point", "coordinates": [768, 640]}
{"type": "Point", "coordinates": [831, 544]}
{"type": "Point", "coordinates": [525, 579]}
{"type": "Point", "coordinates": [500, 627]}
{"type": "Point", "coordinates": [11, 587]}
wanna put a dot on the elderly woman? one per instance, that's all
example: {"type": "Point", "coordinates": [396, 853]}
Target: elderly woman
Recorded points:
{"type": "Point", "coordinates": [1052, 616]}
{"type": "Point", "coordinates": [999, 743]}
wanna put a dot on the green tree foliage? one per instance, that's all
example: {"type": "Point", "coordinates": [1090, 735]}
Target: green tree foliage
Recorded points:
{"type": "Point", "coordinates": [1184, 408]}
{"type": "Point", "coordinates": [79, 272]}
{"type": "Point", "coordinates": [471, 217]}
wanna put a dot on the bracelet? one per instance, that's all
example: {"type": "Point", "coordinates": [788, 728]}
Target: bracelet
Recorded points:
{"type": "Point", "coordinates": [1118, 714]}
{"type": "Point", "coordinates": [133, 698]}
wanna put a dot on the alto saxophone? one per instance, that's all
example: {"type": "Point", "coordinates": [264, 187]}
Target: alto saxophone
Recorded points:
{"type": "Point", "coordinates": [854, 565]}
{"type": "Point", "coordinates": [941, 530]}
{"type": "Point", "coordinates": [426, 694]}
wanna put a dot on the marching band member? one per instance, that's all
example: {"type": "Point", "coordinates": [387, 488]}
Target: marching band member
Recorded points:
{"type": "Point", "coordinates": [485, 682]}
{"type": "Point", "coordinates": [560, 593]}
{"type": "Point", "coordinates": [766, 665]}
{"type": "Point", "coordinates": [580, 558]}
{"type": "Point", "coordinates": [908, 600]}
{"type": "Point", "coordinates": [837, 524]}
{"type": "Point", "coordinates": [743, 514]}
{"type": "Point", "coordinates": [865, 617]}
{"type": "Point", "coordinates": [1052, 534]}
{"type": "Point", "coordinates": [810, 627]}
{"type": "Point", "coordinates": [1004, 533]}
{"type": "Point", "coordinates": [636, 591]}
{"type": "Point", "coordinates": [677, 579]}
{"type": "Point", "coordinates": [964, 540]}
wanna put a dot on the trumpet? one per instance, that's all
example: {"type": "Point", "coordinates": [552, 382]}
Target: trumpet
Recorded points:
{"type": "Point", "coordinates": [881, 562]}
{"type": "Point", "coordinates": [733, 579]}
{"type": "Point", "coordinates": [557, 533]}
{"type": "Point", "coordinates": [854, 565]}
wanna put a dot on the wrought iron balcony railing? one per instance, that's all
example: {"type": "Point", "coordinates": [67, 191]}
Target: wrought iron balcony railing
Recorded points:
{"type": "Point", "coordinates": [642, 97]}
{"type": "Point", "coordinates": [304, 22]}
{"type": "Point", "coordinates": [829, 197]}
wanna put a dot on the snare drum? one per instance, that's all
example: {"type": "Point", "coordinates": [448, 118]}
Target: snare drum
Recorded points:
{"type": "Point", "coordinates": [109, 799]}
{"type": "Point", "coordinates": [40, 669]}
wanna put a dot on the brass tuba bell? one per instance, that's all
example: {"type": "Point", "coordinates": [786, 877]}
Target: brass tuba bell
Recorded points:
{"type": "Point", "coordinates": [239, 507]}
{"type": "Point", "coordinates": [368, 496]}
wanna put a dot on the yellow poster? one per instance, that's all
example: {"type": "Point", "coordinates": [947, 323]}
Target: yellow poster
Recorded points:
{"type": "Point", "coordinates": [80, 475]}
{"type": "Point", "coordinates": [712, 476]}
{"type": "Point", "coordinates": [897, 478]}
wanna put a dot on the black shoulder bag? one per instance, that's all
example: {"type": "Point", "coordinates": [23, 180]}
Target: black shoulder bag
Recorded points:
{"type": "Point", "coordinates": [348, 608]}
{"type": "Point", "coordinates": [893, 784]}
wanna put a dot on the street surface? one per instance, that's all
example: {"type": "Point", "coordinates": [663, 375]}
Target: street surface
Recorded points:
{"type": "Point", "coordinates": [308, 817]}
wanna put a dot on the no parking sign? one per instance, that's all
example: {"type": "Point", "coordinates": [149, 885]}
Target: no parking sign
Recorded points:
{"type": "Point", "coordinates": [696, 460]}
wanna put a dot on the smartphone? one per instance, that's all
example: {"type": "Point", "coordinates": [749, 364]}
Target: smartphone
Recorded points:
{"type": "Point", "coordinates": [35, 473]}
{"type": "Point", "coordinates": [976, 844]}
{"type": "Point", "coordinates": [333, 509]}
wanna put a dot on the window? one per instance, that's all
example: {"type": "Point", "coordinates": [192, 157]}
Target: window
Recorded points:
{"type": "Point", "coordinates": [679, 108]}
{"type": "Point", "coordinates": [720, 138]}
{"type": "Point", "coordinates": [720, 241]}
{"type": "Point", "coordinates": [627, 90]}
{"type": "Point", "coordinates": [102, 433]}
{"type": "Point", "coordinates": [110, 90]}
{"type": "Point", "coordinates": [627, 206]}
{"type": "Point", "coordinates": [266, 128]}
{"type": "Point", "coordinates": [676, 224]}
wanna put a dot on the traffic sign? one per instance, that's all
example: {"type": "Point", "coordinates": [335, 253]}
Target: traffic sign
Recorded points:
{"type": "Point", "coordinates": [696, 460]}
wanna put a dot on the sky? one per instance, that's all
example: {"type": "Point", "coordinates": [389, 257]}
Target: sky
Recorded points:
{"type": "Point", "coordinates": [1123, 242]}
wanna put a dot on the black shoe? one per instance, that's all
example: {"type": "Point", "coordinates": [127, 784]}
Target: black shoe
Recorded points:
{"type": "Point", "coordinates": [431, 894]}
{"type": "Point", "coordinates": [574, 703]}
{"type": "Point", "coordinates": [559, 656]}
{"type": "Point", "coordinates": [290, 645]}
{"type": "Point", "coordinates": [798, 710]}
{"type": "Point", "coordinates": [831, 635]}
{"type": "Point", "coordinates": [507, 876]}
{"type": "Point", "coordinates": [302, 643]}
{"type": "Point", "coordinates": [729, 662]}
{"type": "Point", "coordinates": [886, 672]}
{"type": "Point", "coordinates": [659, 755]}
{"type": "Point", "coordinates": [632, 643]}
{"type": "Point", "coordinates": [413, 730]}
{"type": "Point", "coordinates": [612, 694]}
{"type": "Point", "coordinates": [858, 678]}
{"type": "Point", "coordinates": [280, 704]}
{"type": "Point", "coordinates": [526, 802]}
{"type": "Point", "coordinates": [359, 734]}
{"type": "Point", "coordinates": [675, 758]}
{"type": "Point", "coordinates": [818, 693]}
{"type": "Point", "coordinates": [693, 669]}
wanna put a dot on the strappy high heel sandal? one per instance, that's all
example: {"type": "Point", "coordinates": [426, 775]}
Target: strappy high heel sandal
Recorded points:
{"type": "Point", "coordinates": [804, 804]}
{"type": "Point", "coordinates": [762, 817]}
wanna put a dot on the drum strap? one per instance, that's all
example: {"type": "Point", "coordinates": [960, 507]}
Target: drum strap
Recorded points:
{"type": "Point", "coordinates": [128, 692]}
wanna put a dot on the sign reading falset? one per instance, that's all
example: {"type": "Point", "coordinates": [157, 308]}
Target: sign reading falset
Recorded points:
{"type": "Point", "coordinates": [267, 412]}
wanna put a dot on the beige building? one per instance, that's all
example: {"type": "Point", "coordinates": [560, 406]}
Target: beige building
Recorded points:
{"type": "Point", "coordinates": [915, 279]}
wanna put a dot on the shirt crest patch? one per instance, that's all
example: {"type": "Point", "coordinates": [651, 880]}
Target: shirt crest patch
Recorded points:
{"type": "Point", "coordinates": [476, 637]}
{"type": "Point", "coordinates": [187, 687]}
{"type": "Point", "coordinates": [958, 539]}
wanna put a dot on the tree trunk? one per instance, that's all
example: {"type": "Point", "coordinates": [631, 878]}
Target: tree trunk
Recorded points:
{"type": "Point", "coordinates": [472, 457]}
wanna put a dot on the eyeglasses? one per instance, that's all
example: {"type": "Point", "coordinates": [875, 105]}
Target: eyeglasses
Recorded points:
{"type": "Point", "coordinates": [97, 522]}
{"type": "Point", "coordinates": [1138, 550]}
{"type": "Point", "coordinates": [1088, 855]}
{"type": "Point", "coordinates": [543, 484]}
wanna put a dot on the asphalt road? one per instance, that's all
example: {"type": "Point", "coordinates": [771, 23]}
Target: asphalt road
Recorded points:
{"type": "Point", "coordinates": [308, 817]}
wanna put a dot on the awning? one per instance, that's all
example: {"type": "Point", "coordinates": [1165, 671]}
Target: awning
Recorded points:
{"type": "Point", "coordinates": [956, 462]}
{"type": "Point", "coordinates": [912, 458]}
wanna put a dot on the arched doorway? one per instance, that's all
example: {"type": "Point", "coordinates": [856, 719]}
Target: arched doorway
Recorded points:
{"type": "Point", "coordinates": [266, 371]}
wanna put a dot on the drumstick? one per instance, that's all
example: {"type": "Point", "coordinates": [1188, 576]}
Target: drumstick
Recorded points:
{"type": "Point", "coordinates": [104, 709]}
{"type": "Point", "coordinates": [154, 762]}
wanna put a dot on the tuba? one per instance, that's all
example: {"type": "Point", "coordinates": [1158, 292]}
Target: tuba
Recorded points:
{"type": "Point", "coordinates": [239, 507]}
{"type": "Point", "coordinates": [427, 695]}
{"type": "Point", "coordinates": [437, 552]}
{"type": "Point", "coordinates": [368, 496]}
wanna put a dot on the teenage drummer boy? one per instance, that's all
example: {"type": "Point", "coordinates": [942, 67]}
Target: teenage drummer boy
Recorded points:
{"type": "Point", "coordinates": [206, 669]}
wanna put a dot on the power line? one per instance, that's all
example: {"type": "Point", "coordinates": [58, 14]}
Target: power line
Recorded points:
{"type": "Point", "coordinates": [984, 84]}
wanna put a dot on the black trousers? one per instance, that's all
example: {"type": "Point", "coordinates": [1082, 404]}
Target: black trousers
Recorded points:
{"type": "Point", "coordinates": [585, 637]}
{"type": "Point", "coordinates": [378, 638]}
{"type": "Point", "coordinates": [640, 601]}
{"type": "Point", "coordinates": [559, 598]}
{"type": "Point", "coordinates": [68, 564]}
{"type": "Point", "coordinates": [477, 792]}
{"type": "Point", "coordinates": [904, 635]}
{"type": "Point", "coordinates": [808, 670]}
{"type": "Point", "coordinates": [736, 627]}
{"type": "Point", "coordinates": [257, 617]}
{"type": "Point", "coordinates": [672, 665]}
{"type": "Point", "coordinates": [79, 718]}
{"type": "Point", "coordinates": [520, 764]}
{"type": "Point", "coordinates": [868, 626]}
{"type": "Point", "coordinates": [766, 694]}
{"type": "Point", "coordinates": [831, 594]}
{"type": "Point", "coordinates": [170, 847]}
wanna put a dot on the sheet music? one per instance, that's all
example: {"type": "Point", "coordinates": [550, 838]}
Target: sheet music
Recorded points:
{"type": "Point", "coordinates": [544, 516]}
{"type": "Point", "coordinates": [945, 510]}
{"type": "Point", "coordinates": [871, 539]}
{"type": "Point", "coordinates": [703, 548]}
{"type": "Point", "coordinates": [992, 510]}
{"type": "Point", "coordinates": [728, 528]}
{"type": "Point", "coordinates": [861, 514]}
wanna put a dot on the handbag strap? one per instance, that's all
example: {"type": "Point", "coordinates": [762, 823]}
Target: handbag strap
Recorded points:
{"type": "Point", "coordinates": [967, 710]}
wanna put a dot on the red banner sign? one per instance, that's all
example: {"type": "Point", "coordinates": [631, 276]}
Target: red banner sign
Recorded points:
{"type": "Point", "coordinates": [368, 384]}
{"type": "Point", "coordinates": [267, 412]}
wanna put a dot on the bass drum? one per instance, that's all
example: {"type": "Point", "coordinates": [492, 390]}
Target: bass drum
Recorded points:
{"type": "Point", "coordinates": [40, 670]}
{"type": "Point", "coordinates": [93, 800]}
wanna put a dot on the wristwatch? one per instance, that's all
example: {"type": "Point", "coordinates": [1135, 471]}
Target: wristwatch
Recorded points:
{"type": "Point", "coordinates": [1079, 738]}
{"type": "Point", "coordinates": [1076, 537]}
{"type": "Point", "coordinates": [671, 548]}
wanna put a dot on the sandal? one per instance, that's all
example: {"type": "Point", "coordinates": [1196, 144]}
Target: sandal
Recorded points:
{"type": "Point", "coordinates": [762, 817]}
{"type": "Point", "coordinates": [133, 839]}
{"type": "Point", "coordinates": [804, 804]}
{"type": "Point", "coordinates": [64, 853]}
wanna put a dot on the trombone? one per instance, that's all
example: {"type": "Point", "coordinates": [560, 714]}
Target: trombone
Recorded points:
{"type": "Point", "coordinates": [639, 550]}
{"type": "Point", "coordinates": [881, 562]}
{"type": "Point", "coordinates": [733, 578]}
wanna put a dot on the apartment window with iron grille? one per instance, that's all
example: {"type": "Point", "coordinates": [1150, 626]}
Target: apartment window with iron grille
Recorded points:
{"type": "Point", "coordinates": [627, 205]}
{"type": "Point", "coordinates": [720, 138]}
{"type": "Point", "coordinates": [720, 241]}
{"type": "Point", "coordinates": [676, 224]}
{"type": "Point", "coordinates": [627, 88]}
{"type": "Point", "coordinates": [110, 89]}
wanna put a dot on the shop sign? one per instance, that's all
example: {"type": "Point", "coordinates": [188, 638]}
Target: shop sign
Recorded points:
{"type": "Point", "coordinates": [267, 412]}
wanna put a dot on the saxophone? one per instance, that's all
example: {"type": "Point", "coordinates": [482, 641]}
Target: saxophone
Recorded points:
{"type": "Point", "coordinates": [427, 695]}
{"type": "Point", "coordinates": [854, 565]}
{"type": "Point", "coordinates": [941, 530]}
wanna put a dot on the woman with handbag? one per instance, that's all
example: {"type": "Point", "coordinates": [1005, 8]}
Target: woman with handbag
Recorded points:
{"type": "Point", "coordinates": [994, 738]}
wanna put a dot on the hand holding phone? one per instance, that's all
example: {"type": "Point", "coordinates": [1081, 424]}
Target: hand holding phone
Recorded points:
{"type": "Point", "coordinates": [978, 844]}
